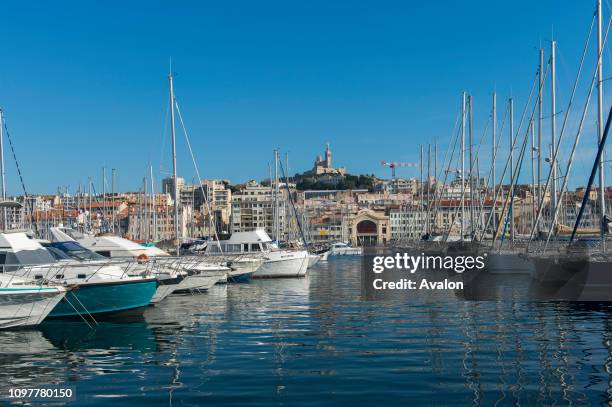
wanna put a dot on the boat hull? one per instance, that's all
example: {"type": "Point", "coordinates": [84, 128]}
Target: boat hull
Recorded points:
{"type": "Point", "coordinates": [509, 263]}
{"type": "Point", "coordinates": [106, 298]}
{"type": "Point", "coordinates": [313, 259]}
{"type": "Point", "coordinates": [200, 280]}
{"type": "Point", "coordinates": [27, 307]}
{"type": "Point", "coordinates": [573, 279]}
{"type": "Point", "coordinates": [283, 264]}
{"type": "Point", "coordinates": [242, 269]}
{"type": "Point", "coordinates": [243, 277]}
{"type": "Point", "coordinates": [165, 287]}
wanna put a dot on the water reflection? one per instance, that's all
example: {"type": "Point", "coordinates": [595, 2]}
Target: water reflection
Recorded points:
{"type": "Point", "coordinates": [283, 341]}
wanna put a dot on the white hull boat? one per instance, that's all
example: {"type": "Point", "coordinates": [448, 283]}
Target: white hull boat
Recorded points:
{"type": "Point", "coordinates": [201, 276]}
{"type": "Point", "coordinates": [25, 304]}
{"type": "Point", "coordinates": [284, 263]}
{"type": "Point", "coordinates": [313, 259]}
{"type": "Point", "coordinates": [138, 260]}
{"type": "Point", "coordinates": [243, 268]}
{"type": "Point", "coordinates": [200, 281]}
{"type": "Point", "coordinates": [341, 249]}
{"type": "Point", "coordinates": [257, 243]}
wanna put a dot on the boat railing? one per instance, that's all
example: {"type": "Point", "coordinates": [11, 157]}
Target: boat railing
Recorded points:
{"type": "Point", "coordinates": [55, 272]}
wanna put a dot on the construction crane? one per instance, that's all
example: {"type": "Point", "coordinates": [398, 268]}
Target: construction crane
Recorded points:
{"type": "Point", "coordinates": [394, 164]}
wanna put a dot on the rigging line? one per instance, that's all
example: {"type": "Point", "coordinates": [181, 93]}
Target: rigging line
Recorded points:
{"type": "Point", "coordinates": [297, 219]}
{"type": "Point", "coordinates": [455, 127]}
{"type": "Point", "coordinates": [446, 168]}
{"type": "Point", "coordinates": [514, 141]}
{"type": "Point", "coordinates": [490, 179]}
{"type": "Point", "coordinates": [576, 142]}
{"type": "Point", "coordinates": [591, 178]}
{"type": "Point", "coordinates": [473, 162]}
{"type": "Point", "coordinates": [475, 165]}
{"type": "Point", "coordinates": [487, 182]}
{"type": "Point", "coordinates": [510, 215]}
{"type": "Point", "coordinates": [509, 201]}
{"type": "Point", "coordinates": [23, 187]}
{"type": "Point", "coordinates": [204, 195]}
{"type": "Point", "coordinates": [564, 126]}
{"type": "Point", "coordinates": [438, 195]}
{"type": "Point", "coordinates": [456, 211]}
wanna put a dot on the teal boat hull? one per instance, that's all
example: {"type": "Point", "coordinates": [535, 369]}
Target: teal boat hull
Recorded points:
{"type": "Point", "coordinates": [105, 298]}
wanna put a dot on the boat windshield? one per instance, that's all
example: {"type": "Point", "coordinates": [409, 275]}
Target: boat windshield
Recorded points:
{"type": "Point", "coordinates": [76, 251]}
{"type": "Point", "coordinates": [11, 260]}
{"type": "Point", "coordinates": [57, 253]}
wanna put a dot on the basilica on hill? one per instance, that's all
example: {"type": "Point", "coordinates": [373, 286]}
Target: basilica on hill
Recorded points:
{"type": "Point", "coordinates": [324, 166]}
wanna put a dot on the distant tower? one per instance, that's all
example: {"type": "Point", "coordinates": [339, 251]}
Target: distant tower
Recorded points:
{"type": "Point", "coordinates": [328, 158]}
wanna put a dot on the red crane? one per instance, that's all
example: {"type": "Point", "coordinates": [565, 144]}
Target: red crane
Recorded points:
{"type": "Point", "coordinates": [394, 164]}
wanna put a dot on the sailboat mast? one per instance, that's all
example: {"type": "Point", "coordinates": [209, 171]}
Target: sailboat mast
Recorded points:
{"type": "Point", "coordinates": [276, 206]}
{"type": "Point", "coordinates": [553, 126]}
{"type": "Point", "coordinates": [540, 121]}
{"type": "Point", "coordinates": [2, 174]}
{"type": "Point", "coordinates": [427, 225]}
{"type": "Point", "coordinates": [286, 203]}
{"type": "Point", "coordinates": [510, 190]}
{"type": "Point", "coordinates": [462, 165]}
{"type": "Point", "coordinates": [113, 174]}
{"type": "Point", "coordinates": [78, 204]}
{"type": "Point", "coordinates": [145, 203]}
{"type": "Point", "coordinates": [434, 221]}
{"type": "Point", "coordinates": [421, 189]}
{"type": "Point", "coordinates": [493, 141]}
{"type": "Point", "coordinates": [103, 206]}
{"type": "Point", "coordinates": [600, 124]}
{"type": "Point", "coordinates": [471, 179]}
{"type": "Point", "coordinates": [174, 177]}
{"type": "Point", "coordinates": [533, 174]}
{"type": "Point", "coordinates": [154, 205]}
{"type": "Point", "coordinates": [435, 163]}
{"type": "Point", "coordinates": [90, 207]}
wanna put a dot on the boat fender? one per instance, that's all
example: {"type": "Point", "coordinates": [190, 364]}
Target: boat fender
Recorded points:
{"type": "Point", "coordinates": [143, 258]}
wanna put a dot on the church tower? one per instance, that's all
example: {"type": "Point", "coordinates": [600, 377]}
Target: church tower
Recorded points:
{"type": "Point", "coordinates": [328, 157]}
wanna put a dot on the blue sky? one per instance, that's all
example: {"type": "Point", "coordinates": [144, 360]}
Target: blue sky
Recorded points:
{"type": "Point", "coordinates": [83, 84]}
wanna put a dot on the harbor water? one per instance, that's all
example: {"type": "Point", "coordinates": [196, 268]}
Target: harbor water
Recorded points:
{"type": "Point", "coordinates": [320, 341]}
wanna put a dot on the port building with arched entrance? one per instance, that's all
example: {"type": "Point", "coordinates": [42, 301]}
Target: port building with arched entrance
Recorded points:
{"type": "Point", "coordinates": [370, 228]}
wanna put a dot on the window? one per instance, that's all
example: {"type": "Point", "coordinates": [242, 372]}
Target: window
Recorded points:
{"type": "Point", "coordinates": [81, 275]}
{"type": "Point", "coordinates": [105, 253]}
{"type": "Point", "coordinates": [255, 247]}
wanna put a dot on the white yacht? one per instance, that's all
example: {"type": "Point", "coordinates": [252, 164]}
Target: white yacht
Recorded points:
{"type": "Point", "coordinates": [242, 265]}
{"type": "Point", "coordinates": [179, 274]}
{"type": "Point", "coordinates": [341, 249]}
{"type": "Point", "coordinates": [25, 303]}
{"type": "Point", "coordinates": [277, 262]}
{"type": "Point", "coordinates": [100, 288]}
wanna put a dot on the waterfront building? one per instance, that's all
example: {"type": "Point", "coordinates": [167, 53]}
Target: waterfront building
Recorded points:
{"type": "Point", "coordinates": [326, 220]}
{"type": "Point", "coordinates": [168, 185]}
{"type": "Point", "coordinates": [253, 207]}
{"type": "Point", "coordinates": [11, 215]}
{"type": "Point", "coordinates": [406, 223]}
{"type": "Point", "coordinates": [370, 227]}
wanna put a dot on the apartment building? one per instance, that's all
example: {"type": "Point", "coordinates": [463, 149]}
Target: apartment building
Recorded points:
{"type": "Point", "coordinates": [253, 208]}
